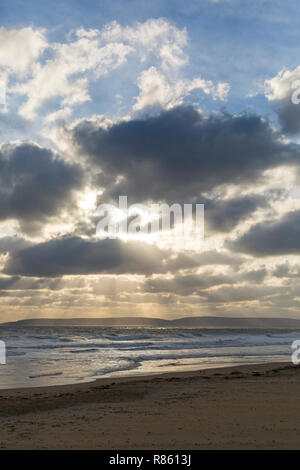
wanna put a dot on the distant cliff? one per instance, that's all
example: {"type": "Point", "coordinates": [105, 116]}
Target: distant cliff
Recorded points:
{"type": "Point", "coordinates": [186, 322]}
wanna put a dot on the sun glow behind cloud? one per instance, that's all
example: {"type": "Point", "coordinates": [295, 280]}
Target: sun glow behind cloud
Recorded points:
{"type": "Point", "coordinates": [152, 108]}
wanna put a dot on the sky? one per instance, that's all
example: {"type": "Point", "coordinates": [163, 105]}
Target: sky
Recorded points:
{"type": "Point", "coordinates": [164, 102]}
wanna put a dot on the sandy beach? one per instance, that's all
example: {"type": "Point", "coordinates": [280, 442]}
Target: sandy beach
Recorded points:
{"type": "Point", "coordinates": [244, 407]}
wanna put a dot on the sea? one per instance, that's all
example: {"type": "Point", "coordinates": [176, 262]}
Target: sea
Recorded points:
{"type": "Point", "coordinates": [44, 356]}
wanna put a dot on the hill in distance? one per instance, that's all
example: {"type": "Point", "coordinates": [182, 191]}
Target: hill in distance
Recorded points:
{"type": "Point", "coordinates": [144, 322]}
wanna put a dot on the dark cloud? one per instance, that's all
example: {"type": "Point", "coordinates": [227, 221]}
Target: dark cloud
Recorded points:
{"type": "Point", "coordinates": [285, 270]}
{"type": "Point", "coordinates": [256, 276]}
{"type": "Point", "coordinates": [180, 154]}
{"type": "Point", "coordinates": [206, 258]}
{"type": "Point", "coordinates": [18, 283]}
{"type": "Point", "coordinates": [281, 237]}
{"type": "Point", "coordinates": [186, 284]}
{"type": "Point", "coordinates": [73, 255]}
{"type": "Point", "coordinates": [8, 282]}
{"type": "Point", "coordinates": [13, 122]}
{"type": "Point", "coordinates": [242, 293]}
{"type": "Point", "coordinates": [12, 244]}
{"type": "Point", "coordinates": [196, 284]}
{"type": "Point", "coordinates": [34, 184]}
{"type": "Point", "coordinates": [289, 116]}
{"type": "Point", "coordinates": [223, 215]}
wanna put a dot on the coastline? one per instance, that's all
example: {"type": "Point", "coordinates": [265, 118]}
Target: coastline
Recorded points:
{"type": "Point", "coordinates": [238, 407]}
{"type": "Point", "coordinates": [143, 376]}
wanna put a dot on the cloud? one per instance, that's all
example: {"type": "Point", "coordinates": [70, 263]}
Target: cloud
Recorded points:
{"type": "Point", "coordinates": [7, 282]}
{"type": "Point", "coordinates": [64, 75]}
{"type": "Point", "coordinates": [272, 238]}
{"type": "Point", "coordinates": [157, 92]}
{"type": "Point", "coordinates": [34, 183]}
{"type": "Point", "coordinates": [198, 284]}
{"type": "Point", "coordinates": [71, 66]}
{"type": "Point", "coordinates": [255, 276]}
{"type": "Point", "coordinates": [74, 256]}
{"type": "Point", "coordinates": [228, 294]}
{"type": "Point", "coordinates": [12, 244]}
{"type": "Point", "coordinates": [205, 258]}
{"type": "Point", "coordinates": [19, 49]}
{"type": "Point", "coordinates": [281, 91]}
{"type": "Point", "coordinates": [59, 116]}
{"type": "Point", "coordinates": [181, 153]}
{"type": "Point", "coordinates": [18, 283]}
{"type": "Point", "coordinates": [158, 36]}
{"type": "Point", "coordinates": [286, 270]}
{"type": "Point", "coordinates": [64, 79]}
{"type": "Point", "coordinates": [187, 284]}
{"type": "Point", "coordinates": [222, 215]}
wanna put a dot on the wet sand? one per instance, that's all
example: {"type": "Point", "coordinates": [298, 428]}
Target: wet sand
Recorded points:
{"type": "Point", "coordinates": [244, 407]}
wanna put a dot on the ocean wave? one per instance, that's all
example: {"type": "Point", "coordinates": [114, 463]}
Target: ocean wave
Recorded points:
{"type": "Point", "coordinates": [85, 354]}
{"type": "Point", "coordinates": [38, 376]}
{"type": "Point", "coordinates": [79, 351]}
{"type": "Point", "coordinates": [126, 338]}
{"type": "Point", "coordinates": [124, 364]}
{"type": "Point", "coordinates": [200, 355]}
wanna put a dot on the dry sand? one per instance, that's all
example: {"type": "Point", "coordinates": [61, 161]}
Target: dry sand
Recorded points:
{"type": "Point", "coordinates": [245, 407]}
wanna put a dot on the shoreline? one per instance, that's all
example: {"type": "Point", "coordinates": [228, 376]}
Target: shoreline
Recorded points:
{"type": "Point", "coordinates": [237, 407]}
{"type": "Point", "coordinates": [124, 377]}
{"type": "Point", "coordinates": [142, 376]}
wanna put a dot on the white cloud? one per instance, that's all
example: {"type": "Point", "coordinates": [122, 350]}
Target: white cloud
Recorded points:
{"type": "Point", "coordinates": [60, 115]}
{"type": "Point", "coordinates": [58, 77]}
{"type": "Point", "coordinates": [64, 79]}
{"type": "Point", "coordinates": [156, 35]}
{"type": "Point", "coordinates": [157, 91]}
{"type": "Point", "coordinates": [280, 86]}
{"type": "Point", "coordinates": [92, 54]}
{"type": "Point", "coordinates": [19, 48]}
{"type": "Point", "coordinates": [281, 91]}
